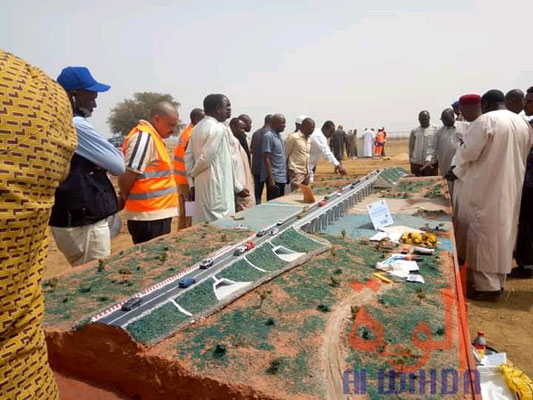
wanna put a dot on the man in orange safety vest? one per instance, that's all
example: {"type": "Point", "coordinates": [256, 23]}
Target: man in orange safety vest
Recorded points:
{"type": "Point", "coordinates": [148, 186]}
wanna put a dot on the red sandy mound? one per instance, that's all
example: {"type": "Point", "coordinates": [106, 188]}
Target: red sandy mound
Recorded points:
{"type": "Point", "coordinates": [115, 360]}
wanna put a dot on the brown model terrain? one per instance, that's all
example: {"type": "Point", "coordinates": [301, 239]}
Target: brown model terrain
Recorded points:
{"type": "Point", "coordinates": [291, 338]}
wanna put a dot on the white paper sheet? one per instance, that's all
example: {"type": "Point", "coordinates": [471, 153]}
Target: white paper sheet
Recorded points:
{"type": "Point", "coordinates": [379, 236]}
{"type": "Point", "coordinates": [190, 208]}
{"type": "Point", "coordinates": [410, 266]}
{"type": "Point", "coordinates": [398, 268]}
{"type": "Point", "coordinates": [493, 385]}
{"type": "Point", "coordinates": [415, 278]}
{"type": "Point", "coordinates": [379, 214]}
{"type": "Point", "coordinates": [494, 359]}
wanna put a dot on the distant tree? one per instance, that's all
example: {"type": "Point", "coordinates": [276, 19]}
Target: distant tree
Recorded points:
{"type": "Point", "coordinates": [127, 113]}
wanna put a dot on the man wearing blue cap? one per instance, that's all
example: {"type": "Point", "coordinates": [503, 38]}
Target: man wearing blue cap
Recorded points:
{"type": "Point", "coordinates": [457, 111]}
{"type": "Point", "coordinates": [86, 198]}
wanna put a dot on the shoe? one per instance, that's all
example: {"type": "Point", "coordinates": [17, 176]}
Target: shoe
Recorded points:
{"type": "Point", "coordinates": [521, 273]}
{"type": "Point", "coordinates": [479, 295]}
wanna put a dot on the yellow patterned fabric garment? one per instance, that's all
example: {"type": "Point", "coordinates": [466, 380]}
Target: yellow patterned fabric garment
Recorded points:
{"type": "Point", "coordinates": [37, 141]}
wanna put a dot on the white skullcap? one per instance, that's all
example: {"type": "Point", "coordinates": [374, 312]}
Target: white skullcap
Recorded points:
{"type": "Point", "coordinates": [300, 119]}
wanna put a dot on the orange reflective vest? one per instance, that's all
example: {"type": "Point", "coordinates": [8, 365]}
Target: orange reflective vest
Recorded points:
{"type": "Point", "coordinates": [155, 188]}
{"type": "Point", "coordinates": [180, 173]}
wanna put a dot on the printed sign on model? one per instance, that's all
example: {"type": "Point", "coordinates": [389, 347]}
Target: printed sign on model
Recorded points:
{"type": "Point", "coordinates": [380, 214]}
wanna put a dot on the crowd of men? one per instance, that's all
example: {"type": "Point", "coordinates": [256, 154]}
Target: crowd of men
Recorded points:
{"type": "Point", "coordinates": [483, 149]}
{"type": "Point", "coordinates": [212, 166]}
{"type": "Point", "coordinates": [54, 171]}
{"type": "Point", "coordinates": [373, 143]}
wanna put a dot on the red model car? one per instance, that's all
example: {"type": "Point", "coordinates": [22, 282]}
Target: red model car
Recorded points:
{"type": "Point", "coordinates": [249, 245]}
{"type": "Point", "coordinates": [322, 202]}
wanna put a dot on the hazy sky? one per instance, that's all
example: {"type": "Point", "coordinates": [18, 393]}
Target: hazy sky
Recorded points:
{"type": "Point", "coordinates": [358, 63]}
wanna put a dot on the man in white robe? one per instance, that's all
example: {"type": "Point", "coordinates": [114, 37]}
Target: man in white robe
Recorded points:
{"type": "Point", "coordinates": [241, 167]}
{"type": "Point", "coordinates": [368, 143]}
{"type": "Point", "coordinates": [470, 110]}
{"type": "Point", "coordinates": [491, 166]}
{"type": "Point", "coordinates": [208, 162]}
{"type": "Point", "coordinates": [524, 241]}
{"type": "Point", "coordinates": [320, 148]}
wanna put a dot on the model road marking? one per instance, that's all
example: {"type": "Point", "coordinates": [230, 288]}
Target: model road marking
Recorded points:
{"type": "Point", "coordinates": [180, 308]}
{"type": "Point", "coordinates": [208, 272]}
{"type": "Point", "coordinates": [289, 222]}
{"type": "Point", "coordinates": [253, 266]}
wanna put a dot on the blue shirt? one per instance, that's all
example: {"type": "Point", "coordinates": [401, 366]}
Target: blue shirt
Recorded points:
{"type": "Point", "coordinates": [96, 149]}
{"type": "Point", "coordinates": [257, 150]}
{"type": "Point", "coordinates": [273, 144]}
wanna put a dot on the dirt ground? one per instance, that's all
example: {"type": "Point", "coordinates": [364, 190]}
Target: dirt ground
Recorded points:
{"type": "Point", "coordinates": [507, 324]}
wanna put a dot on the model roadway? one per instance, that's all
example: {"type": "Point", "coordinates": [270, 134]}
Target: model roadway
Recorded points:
{"type": "Point", "coordinates": [226, 257]}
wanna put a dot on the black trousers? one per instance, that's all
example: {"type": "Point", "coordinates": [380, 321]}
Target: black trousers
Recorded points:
{"type": "Point", "coordinates": [258, 189]}
{"type": "Point", "coordinates": [143, 231]}
{"type": "Point", "coordinates": [276, 191]}
{"type": "Point", "coordinates": [524, 241]}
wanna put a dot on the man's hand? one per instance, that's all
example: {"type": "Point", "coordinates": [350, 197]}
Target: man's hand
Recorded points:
{"type": "Point", "coordinates": [271, 183]}
{"type": "Point", "coordinates": [339, 169]}
{"type": "Point", "coordinates": [243, 193]}
{"type": "Point", "coordinates": [450, 175]}
{"type": "Point", "coordinates": [426, 165]}
{"type": "Point", "coordinates": [189, 196]}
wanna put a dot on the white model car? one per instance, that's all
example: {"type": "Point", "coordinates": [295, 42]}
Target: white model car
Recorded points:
{"type": "Point", "coordinates": [208, 262]}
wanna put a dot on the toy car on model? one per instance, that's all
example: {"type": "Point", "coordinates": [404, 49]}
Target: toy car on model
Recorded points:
{"type": "Point", "coordinates": [262, 232]}
{"type": "Point", "coordinates": [208, 262]}
{"type": "Point", "coordinates": [322, 203]}
{"type": "Point", "coordinates": [186, 282]}
{"type": "Point", "coordinates": [132, 303]}
{"type": "Point", "coordinates": [249, 245]}
{"type": "Point", "coordinates": [274, 231]}
{"type": "Point", "coordinates": [239, 251]}
{"type": "Point", "coordinates": [280, 222]}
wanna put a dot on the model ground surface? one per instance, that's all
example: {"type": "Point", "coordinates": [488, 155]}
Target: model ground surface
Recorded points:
{"type": "Point", "coordinates": [72, 298]}
{"type": "Point", "coordinates": [506, 323]}
{"type": "Point", "coordinates": [300, 324]}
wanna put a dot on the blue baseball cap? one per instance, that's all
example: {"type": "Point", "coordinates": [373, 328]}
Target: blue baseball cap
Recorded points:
{"type": "Point", "coordinates": [72, 78]}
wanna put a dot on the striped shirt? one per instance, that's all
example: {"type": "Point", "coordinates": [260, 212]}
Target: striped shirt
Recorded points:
{"type": "Point", "coordinates": [140, 152]}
